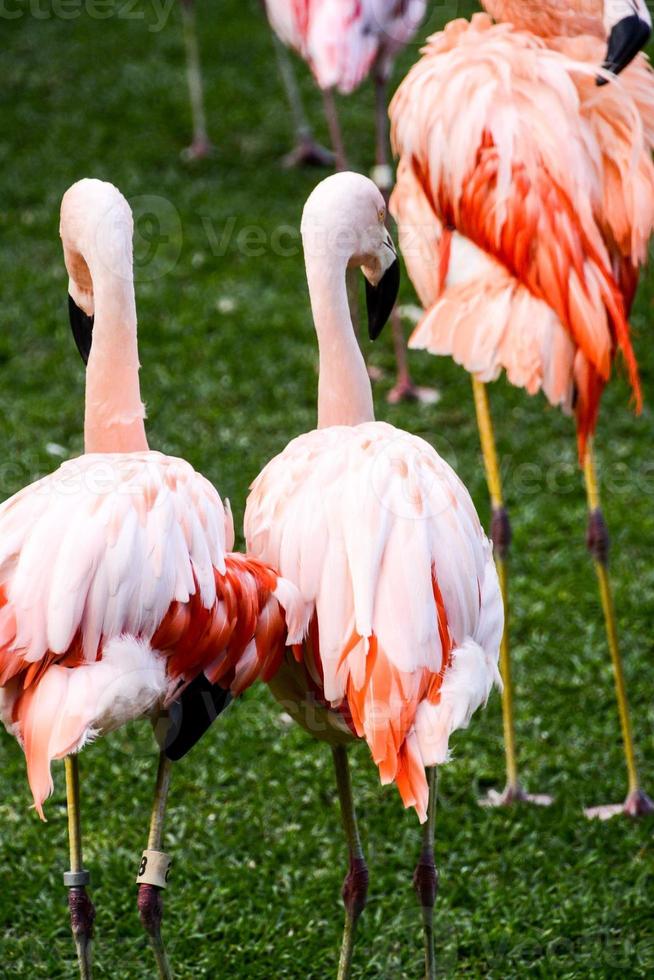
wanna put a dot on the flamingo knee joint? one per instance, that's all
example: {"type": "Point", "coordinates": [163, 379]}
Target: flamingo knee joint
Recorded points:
{"type": "Point", "coordinates": [425, 879]}
{"type": "Point", "coordinates": [355, 887]}
{"type": "Point", "coordinates": [501, 532]}
{"type": "Point", "coordinates": [597, 537]}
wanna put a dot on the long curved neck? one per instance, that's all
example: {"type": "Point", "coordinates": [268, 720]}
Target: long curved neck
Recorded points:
{"type": "Point", "coordinates": [344, 392]}
{"type": "Point", "coordinates": [114, 413]}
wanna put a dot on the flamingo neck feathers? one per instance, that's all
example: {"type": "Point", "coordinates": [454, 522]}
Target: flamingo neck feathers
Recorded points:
{"type": "Point", "coordinates": [96, 231]}
{"type": "Point", "coordinates": [114, 412]}
{"type": "Point", "coordinates": [344, 392]}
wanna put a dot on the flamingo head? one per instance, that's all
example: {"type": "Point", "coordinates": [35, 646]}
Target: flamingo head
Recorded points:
{"type": "Point", "coordinates": [345, 217]}
{"type": "Point", "coordinates": [628, 26]}
{"type": "Point", "coordinates": [96, 234]}
{"type": "Point", "coordinates": [81, 310]}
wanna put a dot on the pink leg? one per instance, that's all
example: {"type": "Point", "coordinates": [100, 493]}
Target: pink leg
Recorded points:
{"type": "Point", "coordinates": [307, 152]}
{"type": "Point", "coordinates": [201, 146]}
{"type": "Point", "coordinates": [335, 133]}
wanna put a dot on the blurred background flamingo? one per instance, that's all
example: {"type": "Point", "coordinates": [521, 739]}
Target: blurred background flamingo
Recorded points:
{"type": "Point", "coordinates": [525, 201]}
{"type": "Point", "coordinates": [343, 42]}
{"type": "Point", "coordinates": [118, 591]}
{"type": "Point", "coordinates": [307, 150]}
{"type": "Point", "coordinates": [384, 543]}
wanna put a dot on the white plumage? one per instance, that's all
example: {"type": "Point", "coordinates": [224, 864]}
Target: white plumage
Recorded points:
{"type": "Point", "coordinates": [363, 520]}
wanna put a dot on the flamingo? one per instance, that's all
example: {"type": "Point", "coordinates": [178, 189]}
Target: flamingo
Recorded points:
{"type": "Point", "coordinates": [118, 590]}
{"type": "Point", "coordinates": [384, 544]}
{"type": "Point", "coordinates": [525, 201]}
{"type": "Point", "coordinates": [307, 151]}
{"type": "Point", "coordinates": [344, 41]}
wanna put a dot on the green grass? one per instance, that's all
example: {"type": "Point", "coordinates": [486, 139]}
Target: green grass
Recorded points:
{"type": "Point", "coordinates": [229, 377]}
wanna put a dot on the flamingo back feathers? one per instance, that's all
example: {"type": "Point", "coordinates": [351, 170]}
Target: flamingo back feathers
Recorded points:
{"type": "Point", "coordinates": [518, 175]}
{"type": "Point", "coordinates": [385, 546]}
{"type": "Point", "coordinates": [115, 592]}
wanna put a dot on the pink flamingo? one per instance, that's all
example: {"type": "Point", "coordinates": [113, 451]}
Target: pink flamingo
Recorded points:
{"type": "Point", "coordinates": [384, 543]}
{"type": "Point", "coordinates": [525, 201]}
{"type": "Point", "coordinates": [118, 591]}
{"type": "Point", "coordinates": [344, 41]}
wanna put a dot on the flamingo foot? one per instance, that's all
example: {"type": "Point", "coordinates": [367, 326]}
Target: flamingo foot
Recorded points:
{"type": "Point", "coordinates": [200, 149]}
{"type": "Point", "coordinates": [406, 391]}
{"type": "Point", "coordinates": [308, 153]}
{"type": "Point", "coordinates": [512, 795]}
{"type": "Point", "coordinates": [82, 917]}
{"type": "Point", "coordinates": [638, 804]}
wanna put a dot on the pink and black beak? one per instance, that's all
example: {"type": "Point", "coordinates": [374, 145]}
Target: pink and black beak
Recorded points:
{"type": "Point", "coordinates": [82, 326]}
{"type": "Point", "coordinates": [381, 297]}
{"type": "Point", "coordinates": [627, 36]}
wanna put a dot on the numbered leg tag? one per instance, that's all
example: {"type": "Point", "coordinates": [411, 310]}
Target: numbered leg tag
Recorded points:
{"type": "Point", "coordinates": [154, 869]}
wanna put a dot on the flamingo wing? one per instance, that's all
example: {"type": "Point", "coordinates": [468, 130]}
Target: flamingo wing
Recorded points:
{"type": "Point", "coordinates": [102, 547]}
{"type": "Point", "coordinates": [384, 544]}
{"type": "Point", "coordinates": [488, 126]}
{"type": "Point", "coordinates": [116, 591]}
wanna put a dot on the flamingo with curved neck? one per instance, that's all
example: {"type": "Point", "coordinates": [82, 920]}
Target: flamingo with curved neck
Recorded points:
{"type": "Point", "coordinates": [98, 257]}
{"type": "Point", "coordinates": [120, 597]}
{"type": "Point", "coordinates": [384, 544]}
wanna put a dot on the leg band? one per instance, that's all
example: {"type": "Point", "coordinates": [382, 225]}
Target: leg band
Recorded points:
{"type": "Point", "coordinates": [154, 869]}
{"type": "Point", "coordinates": [76, 879]}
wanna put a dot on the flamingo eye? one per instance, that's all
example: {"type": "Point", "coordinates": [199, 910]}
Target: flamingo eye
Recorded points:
{"type": "Point", "coordinates": [382, 215]}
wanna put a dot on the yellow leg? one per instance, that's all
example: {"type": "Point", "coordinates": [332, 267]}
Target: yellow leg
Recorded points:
{"type": "Point", "coordinates": [501, 536]}
{"type": "Point", "coordinates": [637, 803]}
{"type": "Point", "coordinates": [82, 912]}
{"type": "Point", "coordinates": [153, 872]}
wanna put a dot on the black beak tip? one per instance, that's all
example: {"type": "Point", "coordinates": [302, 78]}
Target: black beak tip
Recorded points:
{"type": "Point", "coordinates": [380, 299]}
{"type": "Point", "coordinates": [82, 326]}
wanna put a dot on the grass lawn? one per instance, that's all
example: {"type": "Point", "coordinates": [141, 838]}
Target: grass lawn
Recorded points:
{"type": "Point", "coordinates": [229, 376]}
